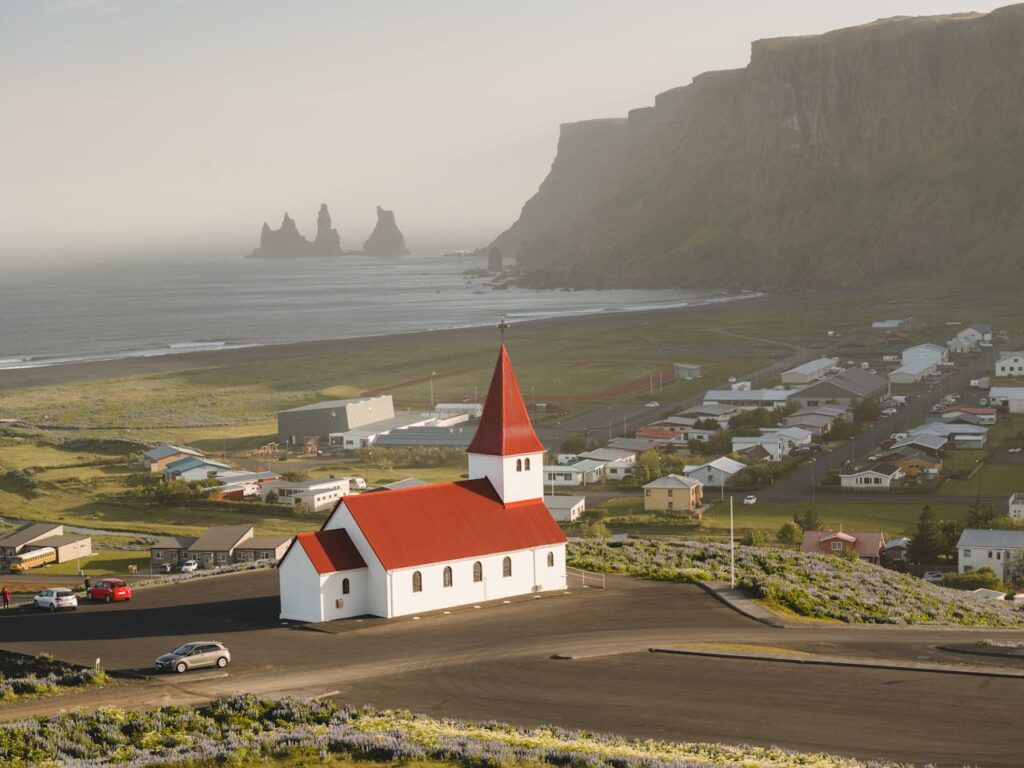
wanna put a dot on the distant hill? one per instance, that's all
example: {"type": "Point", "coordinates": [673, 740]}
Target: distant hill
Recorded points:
{"type": "Point", "coordinates": [892, 151]}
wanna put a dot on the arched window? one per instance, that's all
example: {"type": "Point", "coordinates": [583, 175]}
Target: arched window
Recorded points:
{"type": "Point", "coordinates": [551, 559]}
{"type": "Point", "coordinates": [506, 567]}
{"type": "Point", "coordinates": [344, 586]}
{"type": "Point", "coordinates": [417, 581]}
{"type": "Point", "coordinates": [478, 571]}
{"type": "Point", "coordinates": [519, 465]}
{"type": "Point", "coordinates": [447, 575]}
{"type": "Point", "coordinates": [527, 463]}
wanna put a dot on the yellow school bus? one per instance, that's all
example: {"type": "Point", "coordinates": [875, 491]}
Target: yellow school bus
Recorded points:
{"type": "Point", "coordinates": [33, 559]}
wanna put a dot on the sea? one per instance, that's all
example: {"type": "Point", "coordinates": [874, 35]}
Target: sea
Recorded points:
{"type": "Point", "coordinates": [71, 313]}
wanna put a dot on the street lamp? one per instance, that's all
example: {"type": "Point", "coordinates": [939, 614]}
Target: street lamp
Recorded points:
{"type": "Point", "coordinates": [432, 375]}
{"type": "Point", "coordinates": [813, 485]}
{"type": "Point", "coordinates": [852, 454]}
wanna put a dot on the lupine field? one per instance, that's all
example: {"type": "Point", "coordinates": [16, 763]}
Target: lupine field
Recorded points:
{"type": "Point", "coordinates": [41, 676]}
{"type": "Point", "coordinates": [242, 729]}
{"type": "Point", "coordinates": [816, 586]}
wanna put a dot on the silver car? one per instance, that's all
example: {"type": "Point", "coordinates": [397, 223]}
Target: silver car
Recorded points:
{"type": "Point", "coordinates": [202, 653]}
{"type": "Point", "coordinates": [56, 599]}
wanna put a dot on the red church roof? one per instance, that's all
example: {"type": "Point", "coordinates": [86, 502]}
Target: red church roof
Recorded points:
{"type": "Point", "coordinates": [505, 428]}
{"type": "Point", "coordinates": [449, 521]}
{"type": "Point", "coordinates": [329, 551]}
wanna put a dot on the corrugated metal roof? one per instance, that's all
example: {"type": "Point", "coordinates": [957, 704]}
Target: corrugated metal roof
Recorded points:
{"type": "Point", "coordinates": [27, 532]}
{"type": "Point", "coordinates": [325, 404]}
{"type": "Point", "coordinates": [220, 538]}
{"type": "Point", "coordinates": [813, 366]}
{"type": "Point", "coordinates": [505, 428]}
{"type": "Point", "coordinates": [449, 521]}
{"type": "Point", "coordinates": [977, 537]}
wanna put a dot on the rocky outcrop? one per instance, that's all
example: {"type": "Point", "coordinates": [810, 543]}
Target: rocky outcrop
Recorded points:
{"type": "Point", "coordinates": [287, 243]}
{"type": "Point", "coordinates": [386, 238]}
{"type": "Point", "coordinates": [892, 151]}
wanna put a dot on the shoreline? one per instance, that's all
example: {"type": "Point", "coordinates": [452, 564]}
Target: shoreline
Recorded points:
{"type": "Point", "coordinates": [42, 376]}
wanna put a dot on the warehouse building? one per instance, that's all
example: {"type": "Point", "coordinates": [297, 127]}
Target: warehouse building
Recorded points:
{"type": "Point", "coordinates": [320, 420]}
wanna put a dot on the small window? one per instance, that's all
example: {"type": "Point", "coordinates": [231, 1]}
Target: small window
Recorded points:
{"type": "Point", "coordinates": [837, 546]}
{"type": "Point", "coordinates": [551, 559]}
{"type": "Point", "coordinates": [417, 581]}
{"type": "Point", "coordinates": [967, 553]}
{"type": "Point", "coordinates": [478, 571]}
{"type": "Point", "coordinates": [519, 465]}
{"type": "Point", "coordinates": [158, 555]}
{"type": "Point", "coordinates": [345, 586]}
{"type": "Point", "coordinates": [506, 567]}
{"type": "Point", "coordinates": [527, 463]}
{"type": "Point", "coordinates": [447, 575]}
{"type": "Point", "coordinates": [990, 554]}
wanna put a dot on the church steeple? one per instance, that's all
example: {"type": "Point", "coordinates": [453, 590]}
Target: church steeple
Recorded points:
{"type": "Point", "coordinates": [505, 448]}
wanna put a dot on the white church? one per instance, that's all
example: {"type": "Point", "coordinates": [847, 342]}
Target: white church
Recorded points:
{"type": "Point", "coordinates": [406, 551]}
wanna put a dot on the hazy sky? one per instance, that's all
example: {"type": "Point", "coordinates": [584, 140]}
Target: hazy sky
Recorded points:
{"type": "Point", "coordinates": [155, 124]}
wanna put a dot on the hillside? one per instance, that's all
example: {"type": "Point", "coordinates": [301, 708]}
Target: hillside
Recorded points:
{"type": "Point", "coordinates": [892, 150]}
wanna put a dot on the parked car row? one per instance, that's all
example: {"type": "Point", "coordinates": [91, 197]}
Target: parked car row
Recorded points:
{"type": "Point", "coordinates": [62, 598]}
{"type": "Point", "coordinates": [188, 566]}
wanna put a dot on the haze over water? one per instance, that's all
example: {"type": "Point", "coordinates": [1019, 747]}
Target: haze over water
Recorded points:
{"type": "Point", "coordinates": [117, 310]}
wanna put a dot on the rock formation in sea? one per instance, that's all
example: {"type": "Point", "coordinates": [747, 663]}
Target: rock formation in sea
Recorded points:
{"type": "Point", "coordinates": [287, 243]}
{"type": "Point", "coordinates": [494, 260]}
{"type": "Point", "coordinates": [386, 238]}
{"type": "Point", "coordinates": [892, 151]}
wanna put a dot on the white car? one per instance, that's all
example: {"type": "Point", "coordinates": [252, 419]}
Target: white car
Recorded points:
{"type": "Point", "coordinates": [933, 577]}
{"type": "Point", "coordinates": [189, 566]}
{"type": "Point", "coordinates": [56, 600]}
{"type": "Point", "coordinates": [750, 500]}
{"type": "Point", "coordinates": [652, 404]}
{"type": "Point", "coordinates": [732, 379]}
{"type": "Point", "coordinates": [1014, 450]}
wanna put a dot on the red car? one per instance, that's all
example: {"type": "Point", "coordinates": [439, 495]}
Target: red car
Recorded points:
{"type": "Point", "coordinates": [109, 590]}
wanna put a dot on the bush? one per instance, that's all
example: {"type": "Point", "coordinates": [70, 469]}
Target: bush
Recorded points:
{"type": "Point", "coordinates": [983, 578]}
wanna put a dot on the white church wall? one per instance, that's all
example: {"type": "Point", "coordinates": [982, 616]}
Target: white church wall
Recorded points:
{"type": "Point", "coordinates": [354, 603]}
{"type": "Point", "coordinates": [299, 584]}
{"type": "Point", "coordinates": [511, 484]}
{"type": "Point", "coordinates": [376, 590]}
{"type": "Point", "coordinates": [550, 577]}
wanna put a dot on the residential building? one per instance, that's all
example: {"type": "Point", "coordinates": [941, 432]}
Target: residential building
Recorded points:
{"type": "Point", "coordinates": [687, 371]}
{"type": "Point", "coordinates": [927, 442]}
{"type": "Point", "coordinates": [637, 444]}
{"type": "Point", "coordinates": [868, 545]}
{"type": "Point", "coordinates": [914, 462]}
{"type": "Point", "coordinates": [749, 398]}
{"type": "Point", "coordinates": [970, 414]}
{"type": "Point", "coordinates": [778, 442]}
{"type": "Point", "coordinates": [170, 549]}
{"type": "Point", "coordinates": [913, 372]}
{"type": "Point", "coordinates": [217, 545]}
{"type": "Point", "coordinates": [582, 473]}
{"type": "Point", "coordinates": [987, 548]}
{"type": "Point", "coordinates": [401, 552]}
{"type": "Point", "coordinates": [876, 477]}
{"type": "Point", "coordinates": [843, 390]}
{"type": "Point", "coordinates": [810, 371]}
{"type": "Point", "coordinates": [895, 554]}
{"type": "Point", "coordinates": [308, 495]}
{"type": "Point", "coordinates": [155, 460]}
{"type": "Point", "coordinates": [968, 339]}
{"type": "Point", "coordinates": [1010, 364]}
{"type": "Point", "coordinates": [610, 454]}
{"type": "Point", "coordinates": [1016, 506]}
{"type": "Point", "coordinates": [316, 421]}
{"type": "Point", "coordinates": [816, 419]}
{"type": "Point", "coordinates": [930, 352]}
{"type": "Point", "coordinates": [674, 493]}
{"type": "Point", "coordinates": [241, 485]}
{"type": "Point", "coordinates": [960, 434]}
{"type": "Point", "coordinates": [566, 509]}
{"type": "Point", "coordinates": [192, 469]}
{"type": "Point", "coordinates": [717, 473]}
{"type": "Point", "coordinates": [262, 548]}
{"type": "Point", "coordinates": [1010, 398]}
{"type": "Point", "coordinates": [720, 412]}
{"type": "Point", "coordinates": [659, 435]}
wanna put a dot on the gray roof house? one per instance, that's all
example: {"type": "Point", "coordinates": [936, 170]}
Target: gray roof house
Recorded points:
{"type": "Point", "coordinates": [13, 542]}
{"type": "Point", "coordinates": [979, 548]}
{"type": "Point", "coordinates": [216, 546]}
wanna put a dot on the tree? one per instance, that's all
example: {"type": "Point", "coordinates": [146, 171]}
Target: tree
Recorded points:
{"type": "Point", "coordinates": [294, 476]}
{"type": "Point", "coordinates": [982, 514]}
{"type": "Point", "coordinates": [271, 497]}
{"type": "Point", "coordinates": [594, 529]}
{"type": "Point", "coordinates": [1013, 570]}
{"type": "Point", "coordinates": [753, 477]}
{"type": "Point", "coordinates": [867, 410]}
{"type": "Point", "coordinates": [928, 541]}
{"type": "Point", "coordinates": [809, 521]}
{"type": "Point", "coordinates": [789, 534]}
{"type": "Point", "coordinates": [983, 578]}
{"type": "Point", "coordinates": [754, 538]}
{"type": "Point", "coordinates": [577, 442]}
{"type": "Point", "coordinates": [647, 467]}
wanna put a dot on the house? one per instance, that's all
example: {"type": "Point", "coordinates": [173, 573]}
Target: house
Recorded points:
{"type": "Point", "coordinates": [1010, 364]}
{"type": "Point", "coordinates": [992, 548]}
{"type": "Point", "coordinates": [868, 545]}
{"type": "Point", "coordinates": [778, 442]}
{"type": "Point", "coordinates": [639, 445]}
{"type": "Point", "coordinates": [913, 372]}
{"type": "Point", "coordinates": [969, 414]}
{"type": "Point", "coordinates": [748, 398]}
{"type": "Point", "coordinates": [716, 473]}
{"type": "Point", "coordinates": [816, 419]}
{"type": "Point", "coordinates": [566, 509]}
{"type": "Point", "coordinates": [193, 469]}
{"type": "Point", "coordinates": [843, 390]}
{"type": "Point", "coordinates": [610, 454]}
{"type": "Point", "coordinates": [170, 549]}
{"type": "Point", "coordinates": [402, 552]}
{"type": "Point", "coordinates": [315, 422]}
{"type": "Point", "coordinates": [262, 548]}
{"type": "Point", "coordinates": [241, 485]}
{"type": "Point", "coordinates": [927, 442]}
{"type": "Point", "coordinates": [217, 545]}
{"type": "Point", "coordinates": [930, 352]}
{"type": "Point", "coordinates": [961, 435]}
{"type": "Point", "coordinates": [876, 477]}
{"type": "Point", "coordinates": [619, 469]}
{"type": "Point", "coordinates": [895, 554]}
{"type": "Point", "coordinates": [1010, 398]}
{"type": "Point", "coordinates": [13, 542]}
{"type": "Point", "coordinates": [717, 411]}
{"type": "Point", "coordinates": [969, 339]}
{"type": "Point", "coordinates": [810, 371]}
{"type": "Point", "coordinates": [583, 472]}
{"type": "Point", "coordinates": [673, 493]}
{"type": "Point", "coordinates": [156, 459]}
{"type": "Point", "coordinates": [686, 371]}
{"type": "Point", "coordinates": [308, 495]}
{"type": "Point", "coordinates": [914, 462]}
{"type": "Point", "coordinates": [755, 454]}
{"type": "Point", "coordinates": [1016, 506]}
{"type": "Point", "coordinates": [658, 434]}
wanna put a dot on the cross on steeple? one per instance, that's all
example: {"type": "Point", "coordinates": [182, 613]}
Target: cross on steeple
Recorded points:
{"type": "Point", "coordinates": [502, 325]}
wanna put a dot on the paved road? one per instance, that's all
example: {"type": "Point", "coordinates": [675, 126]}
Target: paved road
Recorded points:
{"type": "Point", "coordinates": [496, 663]}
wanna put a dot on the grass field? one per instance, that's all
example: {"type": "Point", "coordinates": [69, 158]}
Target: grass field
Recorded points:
{"type": "Point", "coordinates": [991, 480]}
{"type": "Point", "coordinates": [99, 564]}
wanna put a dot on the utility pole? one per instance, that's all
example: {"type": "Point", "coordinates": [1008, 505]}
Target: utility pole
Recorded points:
{"type": "Point", "coordinates": [432, 374]}
{"type": "Point", "coordinates": [732, 548]}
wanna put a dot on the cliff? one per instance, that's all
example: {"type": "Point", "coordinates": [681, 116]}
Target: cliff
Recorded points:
{"type": "Point", "coordinates": [287, 242]}
{"type": "Point", "coordinates": [892, 150]}
{"type": "Point", "coordinates": [386, 238]}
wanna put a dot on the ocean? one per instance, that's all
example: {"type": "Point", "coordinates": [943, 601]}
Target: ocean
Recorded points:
{"type": "Point", "coordinates": [108, 311]}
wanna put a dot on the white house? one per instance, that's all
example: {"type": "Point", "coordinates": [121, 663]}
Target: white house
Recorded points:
{"type": "Point", "coordinates": [1012, 398]}
{"type": "Point", "coordinates": [583, 472]}
{"type": "Point", "coordinates": [913, 371]}
{"type": "Point", "coordinates": [932, 352]}
{"type": "Point", "coordinates": [810, 371]}
{"type": "Point", "coordinates": [1010, 364]}
{"type": "Point", "coordinates": [715, 473]}
{"type": "Point", "coordinates": [619, 462]}
{"type": "Point", "coordinates": [987, 548]}
{"type": "Point", "coordinates": [968, 339]}
{"type": "Point", "coordinates": [1016, 507]}
{"type": "Point", "coordinates": [566, 509]}
{"type": "Point", "coordinates": [313, 495]}
{"type": "Point", "coordinates": [400, 552]}
{"type": "Point", "coordinates": [877, 477]}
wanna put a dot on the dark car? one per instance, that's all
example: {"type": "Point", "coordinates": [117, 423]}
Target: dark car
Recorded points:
{"type": "Point", "coordinates": [201, 653]}
{"type": "Point", "coordinates": [109, 590]}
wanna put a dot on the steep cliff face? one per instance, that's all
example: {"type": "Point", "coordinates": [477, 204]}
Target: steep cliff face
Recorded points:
{"type": "Point", "coordinates": [892, 149]}
{"type": "Point", "coordinates": [386, 238]}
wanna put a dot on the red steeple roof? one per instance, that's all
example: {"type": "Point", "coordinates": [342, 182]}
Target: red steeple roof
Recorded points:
{"type": "Point", "coordinates": [505, 428]}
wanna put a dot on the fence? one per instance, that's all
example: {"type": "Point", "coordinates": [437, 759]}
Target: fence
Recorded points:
{"type": "Point", "coordinates": [587, 579]}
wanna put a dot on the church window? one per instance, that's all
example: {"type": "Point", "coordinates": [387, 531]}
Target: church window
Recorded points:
{"type": "Point", "coordinates": [447, 575]}
{"type": "Point", "coordinates": [345, 587]}
{"type": "Point", "coordinates": [519, 465]}
{"type": "Point", "coordinates": [478, 571]}
{"type": "Point", "coordinates": [417, 581]}
{"type": "Point", "coordinates": [506, 567]}
{"type": "Point", "coordinates": [551, 559]}
{"type": "Point", "coordinates": [527, 464]}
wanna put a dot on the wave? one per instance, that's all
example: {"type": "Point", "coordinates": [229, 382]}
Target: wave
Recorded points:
{"type": "Point", "coordinates": [176, 348]}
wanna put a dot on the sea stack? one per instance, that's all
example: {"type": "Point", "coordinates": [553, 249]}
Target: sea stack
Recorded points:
{"type": "Point", "coordinates": [386, 238]}
{"type": "Point", "coordinates": [286, 242]}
